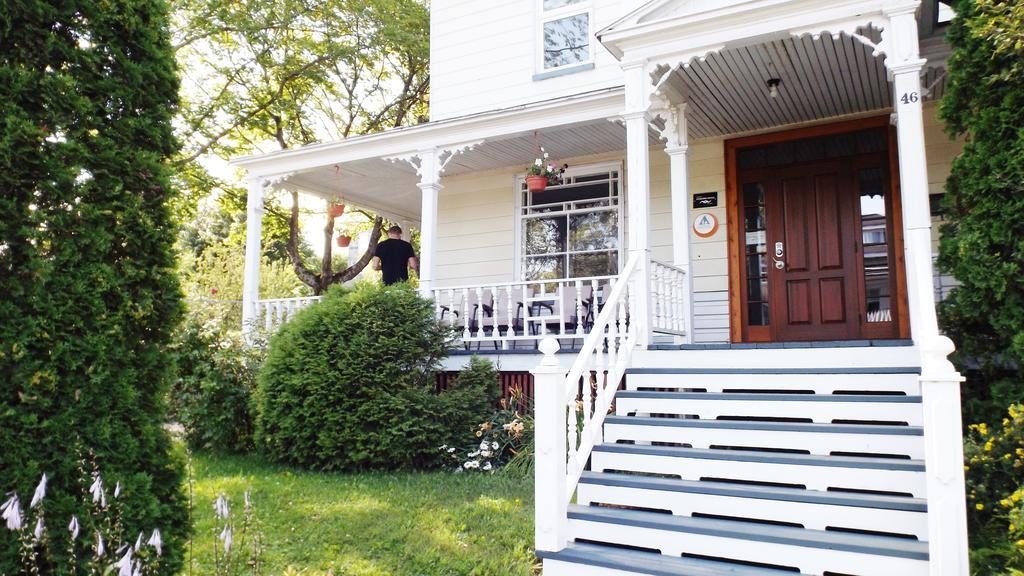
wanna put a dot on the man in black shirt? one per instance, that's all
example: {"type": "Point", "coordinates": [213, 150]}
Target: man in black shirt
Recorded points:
{"type": "Point", "coordinates": [394, 257]}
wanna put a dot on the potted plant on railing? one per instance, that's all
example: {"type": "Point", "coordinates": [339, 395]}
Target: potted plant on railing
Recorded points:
{"type": "Point", "coordinates": [542, 173]}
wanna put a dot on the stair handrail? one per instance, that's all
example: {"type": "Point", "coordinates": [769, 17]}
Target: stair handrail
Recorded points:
{"type": "Point", "coordinates": [570, 407]}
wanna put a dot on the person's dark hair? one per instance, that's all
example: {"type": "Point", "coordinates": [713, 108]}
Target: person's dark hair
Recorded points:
{"type": "Point", "coordinates": [396, 229]}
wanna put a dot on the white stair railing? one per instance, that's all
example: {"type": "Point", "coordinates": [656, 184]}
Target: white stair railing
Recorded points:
{"type": "Point", "coordinates": [271, 313]}
{"type": "Point", "coordinates": [570, 408]}
{"type": "Point", "coordinates": [669, 299]}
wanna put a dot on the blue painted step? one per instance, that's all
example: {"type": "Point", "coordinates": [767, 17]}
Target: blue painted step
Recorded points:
{"type": "Point", "coordinates": [766, 426]}
{"type": "Point", "coordinates": [755, 491]}
{"type": "Point", "coordinates": [651, 563]}
{"type": "Point", "coordinates": [770, 397]}
{"type": "Point", "coordinates": [755, 371]}
{"type": "Point", "coordinates": [753, 531]}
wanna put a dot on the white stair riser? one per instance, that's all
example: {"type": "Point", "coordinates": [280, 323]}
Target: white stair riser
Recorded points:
{"type": "Point", "coordinates": [821, 412]}
{"type": "Point", "coordinates": [812, 516]}
{"type": "Point", "coordinates": [559, 568]}
{"type": "Point", "coordinates": [808, 560]}
{"type": "Point", "coordinates": [782, 358]}
{"type": "Point", "coordinates": [811, 477]}
{"type": "Point", "coordinates": [818, 383]}
{"type": "Point", "coordinates": [822, 443]}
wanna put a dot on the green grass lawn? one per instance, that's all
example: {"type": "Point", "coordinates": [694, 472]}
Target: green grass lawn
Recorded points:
{"type": "Point", "coordinates": [372, 523]}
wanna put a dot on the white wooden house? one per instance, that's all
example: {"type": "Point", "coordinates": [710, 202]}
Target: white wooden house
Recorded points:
{"type": "Point", "coordinates": [744, 237]}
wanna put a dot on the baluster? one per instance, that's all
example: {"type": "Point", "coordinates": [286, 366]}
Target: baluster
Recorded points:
{"type": "Point", "coordinates": [465, 314]}
{"type": "Point", "coordinates": [611, 334]}
{"type": "Point", "coordinates": [571, 425]}
{"type": "Point", "coordinates": [593, 300]}
{"type": "Point", "coordinates": [627, 322]}
{"type": "Point", "coordinates": [478, 312]}
{"type": "Point", "coordinates": [495, 333]}
{"type": "Point", "coordinates": [436, 295]}
{"type": "Point", "coordinates": [268, 319]}
{"type": "Point", "coordinates": [279, 310]}
{"type": "Point", "coordinates": [451, 307]}
{"type": "Point", "coordinates": [680, 279]}
{"type": "Point", "coordinates": [527, 311]}
{"type": "Point", "coordinates": [510, 331]}
{"type": "Point", "coordinates": [560, 304]}
{"type": "Point", "coordinates": [579, 307]}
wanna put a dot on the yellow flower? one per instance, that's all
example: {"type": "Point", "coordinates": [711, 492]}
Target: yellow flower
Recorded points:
{"type": "Point", "coordinates": [1013, 528]}
{"type": "Point", "coordinates": [1020, 543]}
{"type": "Point", "coordinates": [1004, 503]}
{"type": "Point", "coordinates": [979, 506]}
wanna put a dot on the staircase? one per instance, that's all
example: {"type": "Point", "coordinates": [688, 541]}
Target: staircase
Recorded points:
{"type": "Point", "coordinates": [756, 462]}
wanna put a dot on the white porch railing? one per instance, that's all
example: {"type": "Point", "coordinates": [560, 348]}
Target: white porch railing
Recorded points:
{"type": "Point", "coordinates": [669, 299]}
{"type": "Point", "coordinates": [506, 313]}
{"type": "Point", "coordinates": [570, 408]}
{"type": "Point", "coordinates": [276, 311]}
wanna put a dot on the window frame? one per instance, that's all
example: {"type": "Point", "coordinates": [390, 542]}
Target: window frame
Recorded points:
{"type": "Point", "coordinates": [520, 217]}
{"type": "Point", "coordinates": [546, 16]}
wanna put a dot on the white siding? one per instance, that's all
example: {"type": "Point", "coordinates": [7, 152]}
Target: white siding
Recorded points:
{"type": "Point", "coordinates": [483, 56]}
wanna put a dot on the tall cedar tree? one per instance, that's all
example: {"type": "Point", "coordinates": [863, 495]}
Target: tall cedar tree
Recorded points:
{"type": "Point", "coordinates": [983, 240]}
{"type": "Point", "coordinates": [88, 294]}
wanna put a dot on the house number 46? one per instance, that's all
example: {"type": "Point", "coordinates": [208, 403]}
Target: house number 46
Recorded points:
{"type": "Point", "coordinates": [909, 97]}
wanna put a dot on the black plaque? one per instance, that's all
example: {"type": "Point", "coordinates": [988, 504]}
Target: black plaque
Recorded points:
{"type": "Point", "coordinates": [705, 200]}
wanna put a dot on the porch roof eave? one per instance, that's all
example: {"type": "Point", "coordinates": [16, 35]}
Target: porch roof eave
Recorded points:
{"type": "Point", "coordinates": [578, 108]}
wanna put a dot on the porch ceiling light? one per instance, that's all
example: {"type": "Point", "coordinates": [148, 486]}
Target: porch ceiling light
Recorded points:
{"type": "Point", "coordinates": [773, 87]}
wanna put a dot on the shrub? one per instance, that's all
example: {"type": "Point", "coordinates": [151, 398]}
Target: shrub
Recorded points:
{"type": "Point", "coordinates": [88, 294]}
{"type": "Point", "coordinates": [349, 384]}
{"type": "Point", "coordinates": [212, 395]}
{"type": "Point", "coordinates": [995, 485]}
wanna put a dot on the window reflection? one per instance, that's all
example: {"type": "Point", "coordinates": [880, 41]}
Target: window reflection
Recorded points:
{"type": "Point", "coordinates": [567, 41]}
{"type": "Point", "coordinates": [756, 253]}
{"type": "Point", "coordinates": [874, 236]}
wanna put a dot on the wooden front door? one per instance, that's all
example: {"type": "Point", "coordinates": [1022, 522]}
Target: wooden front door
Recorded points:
{"type": "Point", "coordinates": [815, 236]}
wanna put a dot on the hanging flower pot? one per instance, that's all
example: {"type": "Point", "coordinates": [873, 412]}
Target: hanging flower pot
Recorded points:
{"type": "Point", "coordinates": [536, 183]}
{"type": "Point", "coordinates": [344, 240]}
{"type": "Point", "coordinates": [335, 210]}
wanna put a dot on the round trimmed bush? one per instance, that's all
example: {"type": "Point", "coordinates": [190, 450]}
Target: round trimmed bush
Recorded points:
{"type": "Point", "coordinates": [349, 384]}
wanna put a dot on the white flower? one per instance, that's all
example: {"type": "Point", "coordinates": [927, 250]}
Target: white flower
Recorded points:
{"type": "Point", "coordinates": [451, 450]}
{"type": "Point", "coordinates": [483, 445]}
{"type": "Point", "coordinates": [487, 466]}
{"type": "Point", "coordinates": [545, 155]}
{"type": "Point", "coordinates": [156, 542]}
{"type": "Point", "coordinates": [138, 542]}
{"type": "Point", "coordinates": [100, 548]}
{"type": "Point", "coordinates": [73, 527]}
{"type": "Point", "coordinates": [10, 511]}
{"type": "Point", "coordinates": [40, 527]}
{"type": "Point", "coordinates": [486, 453]}
{"type": "Point", "coordinates": [494, 445]}
{"type": "Point", "coordinates": [97, 491]}
{"type": "Point", "coordinates": [124, 565]}
{"type": "Point", "coordinates": [37, 498]}
{"type": "Point", "coordinates": [539, 162]}
{"type": "Point", "coordinates": [443, 447]}
{"type": "Point", "coordinates": [117, 490]}
{"type": "Point", "coordinates": [474, 454]}
{"type": "Point", "coordinates": [138, 569]}
{"type": "Point", "coordinates": [220, 507]}
{"type": "Point", "coordinates": [248, 500]}
{"type": "Point", "coordinates": [225, 535]}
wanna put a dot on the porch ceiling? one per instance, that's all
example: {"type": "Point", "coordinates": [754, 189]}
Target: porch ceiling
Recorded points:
{"type": "Point", "coordinates": [822, 78]}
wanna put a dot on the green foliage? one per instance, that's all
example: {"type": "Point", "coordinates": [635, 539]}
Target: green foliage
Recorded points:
{"type": "Point", "coordinates": [88, 294]}
{"type": "Point", "coordinates": [994, 459]}
{"type": "Point", "coordinates": [349, 384]}
{"type": "Point", "coordinates": [370, 523]}
{"type": "Point", "coordinates": [503, 440]}
{"type": "Point", "coordinates": [212, 395]}
{"type": "Point", "coordinates": [983, 241]}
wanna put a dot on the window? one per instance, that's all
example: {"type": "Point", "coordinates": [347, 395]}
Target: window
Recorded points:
{"type": "Point", "coordinates": [565, 33]}
{"type": "Point", "coordinates": [571, 230]}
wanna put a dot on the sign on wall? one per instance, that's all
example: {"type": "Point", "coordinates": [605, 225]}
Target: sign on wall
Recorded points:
{"type": "Point", "coordinates": [705, 200]}
{"type": "Point", "coordinates": [705, 225]}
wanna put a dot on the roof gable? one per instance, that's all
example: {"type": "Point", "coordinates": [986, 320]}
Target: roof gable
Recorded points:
{"type": "Point", "coordinates": [665, 9]}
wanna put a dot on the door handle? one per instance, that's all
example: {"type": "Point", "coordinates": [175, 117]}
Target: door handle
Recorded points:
{"type": "Point", "coordinates": [780, 252]}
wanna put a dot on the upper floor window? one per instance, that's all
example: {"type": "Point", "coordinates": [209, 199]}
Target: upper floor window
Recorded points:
{"type": "Point", "coordinates": [565, 33]}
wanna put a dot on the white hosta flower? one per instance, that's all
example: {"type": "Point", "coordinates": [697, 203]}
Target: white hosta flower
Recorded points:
{"type": "Point", "coordinates": [156, 542]}
{"type": "Point", "coordinates": [117, 490]}
{"type": "Point", "coordinates": [487, 466]}
{"type": "Point", "coordinates": [73, 528]}
{"type": "Point", "coordinates": [220, 507]}
{"type": "Point", "coordinates": [98, 495]}
{"type": "Point", "coordinates": [40, 528]}
{"type": "Point", "coordinates": [137, 571]}
{"type": "Point", "coordinates": [37, 498]}
{"type": "Point", "coordinates": [124, 565]}
{"type": "Point", "coordinates": [138, 542]}
{"type": "Point", "coordinates": [10, 512]}
{"type": "Point", "coordinates": [225, 535]}
{"type": "Point", "coordinates": [101, 549]}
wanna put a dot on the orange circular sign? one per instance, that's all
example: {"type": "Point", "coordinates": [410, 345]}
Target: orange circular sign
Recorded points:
{"type": "Point", "coordinates": [705, 225]}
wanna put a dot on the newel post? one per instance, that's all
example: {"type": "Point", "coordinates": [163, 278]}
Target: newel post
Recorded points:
{"type": "Point", "coordinates": [549, 485]}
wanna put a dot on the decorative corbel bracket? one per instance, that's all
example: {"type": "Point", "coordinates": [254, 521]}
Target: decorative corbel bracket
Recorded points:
{"type": "Point", "coordinates": [430, 163]}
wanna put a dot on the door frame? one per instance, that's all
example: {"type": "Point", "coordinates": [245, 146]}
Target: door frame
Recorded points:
{"type": "Point", "coordinates": [737, 313]}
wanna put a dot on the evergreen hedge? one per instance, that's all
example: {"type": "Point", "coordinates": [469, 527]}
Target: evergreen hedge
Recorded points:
{"type": "Point", "coordinates": [349, 384]}
{"type": "Point", "coordinates": [88, 294]}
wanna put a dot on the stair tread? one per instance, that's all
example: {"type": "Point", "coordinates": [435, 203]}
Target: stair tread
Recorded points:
{"type": "Point", "coordinates": [652, 563]}
{"type": "Point", "coordinates": [767, 457]}
{"type": "Point", "coordinates": [768, 533]}
{"type": "Point", "coordinates": [760, 371]}
{"type": "Point", "coordinates": [755, 491]}
{"type": "Point", "coordinates": [766, 426]}
{"type": "Point", "coordinates": [769, 397]}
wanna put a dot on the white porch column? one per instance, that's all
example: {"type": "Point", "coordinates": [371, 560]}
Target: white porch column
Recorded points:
{"type": "Point", "coordinates": [638, 184]}
{"type": "Point", "coordinates": [430, 187]}
{"type": "Point", "coordinates": [940, 383]}
{"type": "Point", "coordinates": [253, 253]}
{"type": "Point", "coordinates": [678, 150]}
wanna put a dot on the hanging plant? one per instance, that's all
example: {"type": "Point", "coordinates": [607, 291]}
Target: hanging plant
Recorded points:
{"type": "Point", "coordinates": [344, 240]}
{"type": "Point", "coordinates": [543, 173]}
{"type": "Point", "coordinates": [335, 209]}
